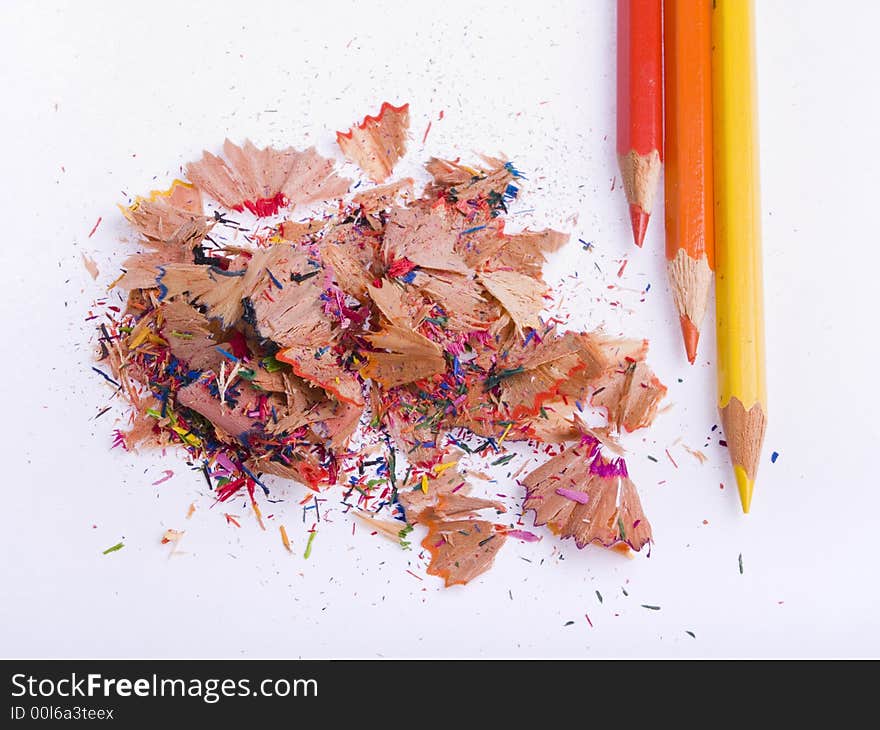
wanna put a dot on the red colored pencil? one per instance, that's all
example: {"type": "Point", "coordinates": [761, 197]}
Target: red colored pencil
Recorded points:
{"type": "Point", "coordinates": [639, 106]}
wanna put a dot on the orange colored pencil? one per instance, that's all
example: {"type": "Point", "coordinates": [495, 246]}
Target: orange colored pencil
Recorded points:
{"type": "Point", "coordinates": [639, 106]}
{"type": "Point", "coordinates": [690, 213]}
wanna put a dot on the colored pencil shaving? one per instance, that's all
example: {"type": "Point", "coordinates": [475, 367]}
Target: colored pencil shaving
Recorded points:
{"type": "Point", "coordinates": [411, 324]}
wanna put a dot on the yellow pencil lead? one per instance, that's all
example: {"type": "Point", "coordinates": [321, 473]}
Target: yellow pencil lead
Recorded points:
{"type": "Point", "coordinates": [745, 485]}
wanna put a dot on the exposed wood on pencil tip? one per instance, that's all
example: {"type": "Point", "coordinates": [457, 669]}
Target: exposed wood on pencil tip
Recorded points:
{"type": "Point", "coordinates": [640, 175]}
{"type": "Point", "coordinates": [639, 220]}
{"type": "Point", "coordinates": [690, 280]}
{"type": "Point", "coordinates": [744, 430]}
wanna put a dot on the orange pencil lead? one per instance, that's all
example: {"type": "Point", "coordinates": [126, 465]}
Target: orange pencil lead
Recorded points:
{"type": "Point", "coordinates": [691, 337]}
{"type": "Point", "coordinates": [639, 223]}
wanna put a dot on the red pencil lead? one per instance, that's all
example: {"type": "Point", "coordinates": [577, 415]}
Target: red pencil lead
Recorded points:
{"type": "Point", "coordinates": [639, 223]}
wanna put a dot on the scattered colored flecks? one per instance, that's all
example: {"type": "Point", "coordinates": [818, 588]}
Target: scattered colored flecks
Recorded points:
{"type": "Point", "coordinates": [231, 519]}
{"type": "Point", "coordinates": [171, 536]}
{"type": "Point", "coordinates": [311, 539]}
{"type": "Point", "coordinates": [90, 265]}
{"type": "Point", "coordinates": [371, 348]}
{"type": "Point", "coordinates": [524, 535]}
{"type": "Point", "coordinates": [403, 534]}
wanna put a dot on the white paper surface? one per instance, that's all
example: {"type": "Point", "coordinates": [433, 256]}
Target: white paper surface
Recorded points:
{"type": "Point", "coordinates": [104, 101]}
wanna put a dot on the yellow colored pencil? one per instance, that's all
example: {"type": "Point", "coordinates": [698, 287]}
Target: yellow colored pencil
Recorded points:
{"type": "Point", "coordinates": [742, 389]}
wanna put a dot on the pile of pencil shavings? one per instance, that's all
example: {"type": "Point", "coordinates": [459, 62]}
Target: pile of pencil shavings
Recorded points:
{"type": "Point", "coordinates": [415, 318]}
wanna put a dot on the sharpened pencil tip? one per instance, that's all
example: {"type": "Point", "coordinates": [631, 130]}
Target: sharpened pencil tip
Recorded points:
{"type": "Point", "coordinates": [691, 337]}
{"type": "Point", "coordinates": [639, 220]}
{"type": "Point", "coordinates": [745, 485]}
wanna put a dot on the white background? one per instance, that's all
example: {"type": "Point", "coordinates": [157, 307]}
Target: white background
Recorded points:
{"type": "Point", "coordinates": [103, 101]}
